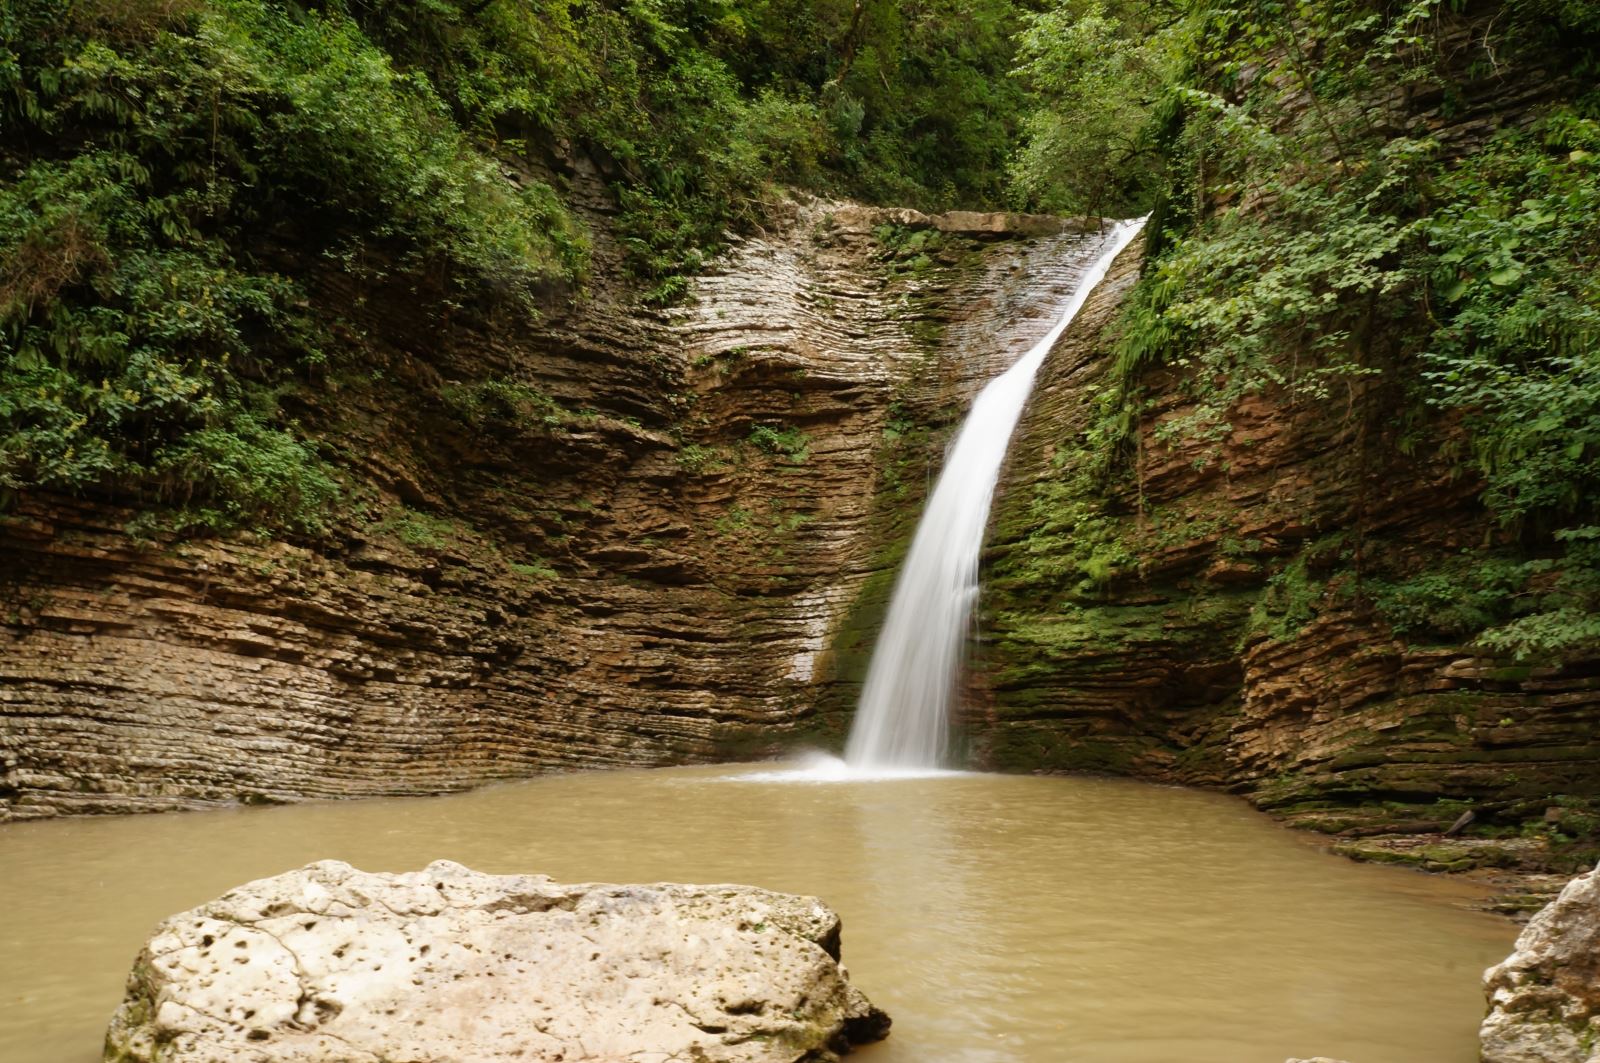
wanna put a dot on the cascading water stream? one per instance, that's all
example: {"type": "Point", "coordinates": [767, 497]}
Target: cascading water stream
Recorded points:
{"type": "Point", "coordinates": [902, 721]}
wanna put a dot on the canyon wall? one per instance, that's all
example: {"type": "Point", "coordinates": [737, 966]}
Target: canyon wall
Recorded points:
{"type": "Point", "coordinates": [625, 535]}
{"type": "Point", "coordinates": [1201, 618]}
{"type": "Point", "coordinates": [1208, 607]}
{"type": "Point", "coordinates": [616, 536]}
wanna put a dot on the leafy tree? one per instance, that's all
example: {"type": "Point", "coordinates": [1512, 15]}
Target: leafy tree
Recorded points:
{"type": "Point", "coordinates": [1096, 78]}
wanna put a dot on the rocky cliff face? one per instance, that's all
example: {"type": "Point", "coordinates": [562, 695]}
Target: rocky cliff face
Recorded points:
{"type": "Point", "coordinates": [616, 536]}
{"type": "Point", "coordinates": [1200, 619]}
{"type": "Point", "coordinates": [1204, 612]}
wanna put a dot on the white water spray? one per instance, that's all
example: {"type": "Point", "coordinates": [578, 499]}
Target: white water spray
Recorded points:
{"type": "Point", "coordinates": [903, 719]}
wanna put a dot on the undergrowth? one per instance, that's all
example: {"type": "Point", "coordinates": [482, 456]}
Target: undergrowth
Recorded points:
{"type": "Point", "coordinates": [1313, 244]}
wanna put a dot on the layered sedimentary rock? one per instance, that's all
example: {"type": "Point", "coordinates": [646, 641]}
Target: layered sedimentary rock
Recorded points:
{"type": "Point", "coordinates": [617, 535]}
{"type": "Point", "coordinates": [329, 963]}
{"type": "Point", "coordinates": [1181, 661]}
{"type": "Point", "coordinates": [1544, 1000]}
{"type": "Point", "coordinates": [1202, 606]}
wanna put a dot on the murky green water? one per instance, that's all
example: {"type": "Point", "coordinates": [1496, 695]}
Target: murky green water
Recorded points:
{"type": "Point", "coordinates": [997, 918]}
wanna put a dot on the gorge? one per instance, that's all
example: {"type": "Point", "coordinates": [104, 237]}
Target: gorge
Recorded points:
{"type": "Point", "coordinates": [400, 399]}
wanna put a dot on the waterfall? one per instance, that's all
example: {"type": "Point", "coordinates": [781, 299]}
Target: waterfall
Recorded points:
{"type": "Point", "coordinates": [903, 718]}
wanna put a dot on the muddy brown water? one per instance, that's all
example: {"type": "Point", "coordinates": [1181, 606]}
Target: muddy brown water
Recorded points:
{"type": "Point", "coordinates": [998, 919]}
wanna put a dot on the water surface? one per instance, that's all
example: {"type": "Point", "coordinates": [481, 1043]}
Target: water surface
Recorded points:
{"type": "Point", "coordinates": [998, 919]}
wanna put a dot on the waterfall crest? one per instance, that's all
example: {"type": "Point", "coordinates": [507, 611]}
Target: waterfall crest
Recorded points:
{"type": "Point", "coordinates": [903, 717]}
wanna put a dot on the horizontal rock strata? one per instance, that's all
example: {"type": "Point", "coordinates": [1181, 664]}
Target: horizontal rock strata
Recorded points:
{"type": "Point", "coordinates": [1203, 609]}
{"type": "Point", "coordinates": [1176, 666]}
{"type": "Point", "coordinates": [615, 536]}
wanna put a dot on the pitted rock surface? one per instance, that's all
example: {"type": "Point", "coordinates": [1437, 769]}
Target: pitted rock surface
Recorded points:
{"type": "Point", "coordinates": [329, 964]}
{"type": "Point", "coordinates": [1544, 999]}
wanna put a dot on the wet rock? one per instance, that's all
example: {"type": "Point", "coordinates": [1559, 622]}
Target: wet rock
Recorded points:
{"type": "Point", "coordinates": [329, 963]}
{"type": "Point", "coordinates": [1544, 999]}
{"type": "Point", "coordinates": [657, 576]}
{"type": "Point", "coordinates": [1140, 622]}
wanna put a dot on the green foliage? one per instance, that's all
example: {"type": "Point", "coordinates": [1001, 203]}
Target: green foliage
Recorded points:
{"type": "Point", "coordinates": [1338, 227]}
{"type": "Point", "coordinates": [1514, 256]}
{"type": "Point", "coordinates": [697, 458]}
{"type": "Point", "coordinates": [1527, 607]}
{"type": "Point", "coordinates": [703, 111]}
{"type": "Point", "coordinates": [937, 113]}
{"type": "Point", "coordinates": [1540, 608]}
{"type": "Point", "coordinates": [301, 110]}
{"type": "Point", "coordinates": [899, 424]}
{"type": "Point", "coordinates": [131, 358]}
{"type": "Point", "coordinates": [1551, 634]}
{"type": "Point", "coordinates": [250, 474]}
{"type": "Point", "coordinates": [157, 152]}
{"type": "Point", "coordinates": [1298, 592]}
{"type": "Point", "coordinates": [378, 147]}
{"type": "Point", "coordinates": [791, 443]}
{"type": "Point", "coordinates": [1072, 543]}
{"type": "Point", "coordinates": [507, 404]}
{"type": "Point", "coordinates": [1095, 77]}
{"type": "Point", "coordinates": [164, 160]}
{"type": "Point", "coordinates": [419, 531]}
{"type": "Point", "coordinates": [1314, 277]}
{"type": "Point", "coordinates": [1075, 541]}
{"type": "Point", "coordinates": [1314, 247]}
{"type": "Point", "coordinates": [1455, 600]}
{"type": "Point", "coordinates": [738, 519]}
{"type": "Point", "coordinates": [536, 570]}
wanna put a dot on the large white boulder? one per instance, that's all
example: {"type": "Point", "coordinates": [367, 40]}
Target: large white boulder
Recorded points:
{"type": "Point", "coordinates": [329, 963]}
{"type": "Point", "coordinates": [1544, 999]}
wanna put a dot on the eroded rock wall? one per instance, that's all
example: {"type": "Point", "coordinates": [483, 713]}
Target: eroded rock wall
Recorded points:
{"type": "Point", "coordinates": [1207, 612]}
{"type": "Point", "coordinates": [617, 536]}
{"type": "Point", "coordinates": [1203, 610]}
{"type": "Point", "coordinates": [1190, 663]}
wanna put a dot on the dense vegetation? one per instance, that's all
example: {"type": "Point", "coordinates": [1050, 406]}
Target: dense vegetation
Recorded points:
{"type": "Point", "coordinates": [1317, 237]}
{"type": "Point", "coordinates": [174, 171]}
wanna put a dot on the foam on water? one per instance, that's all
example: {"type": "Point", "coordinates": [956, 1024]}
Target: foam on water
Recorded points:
{"type": "Point", "coordinates": [816, 767]}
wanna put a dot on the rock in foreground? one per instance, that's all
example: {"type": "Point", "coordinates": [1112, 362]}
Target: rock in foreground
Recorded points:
{"type": "Point", "coordinates": [1544, 1000]}
{"type": "Point", "coordinates": [329, 963]}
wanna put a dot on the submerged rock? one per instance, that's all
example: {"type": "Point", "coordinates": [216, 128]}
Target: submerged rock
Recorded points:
{"type": "Point", "coordinates": [330, 963]}
{"type": "Point", "coordinates": [1544, 999]}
